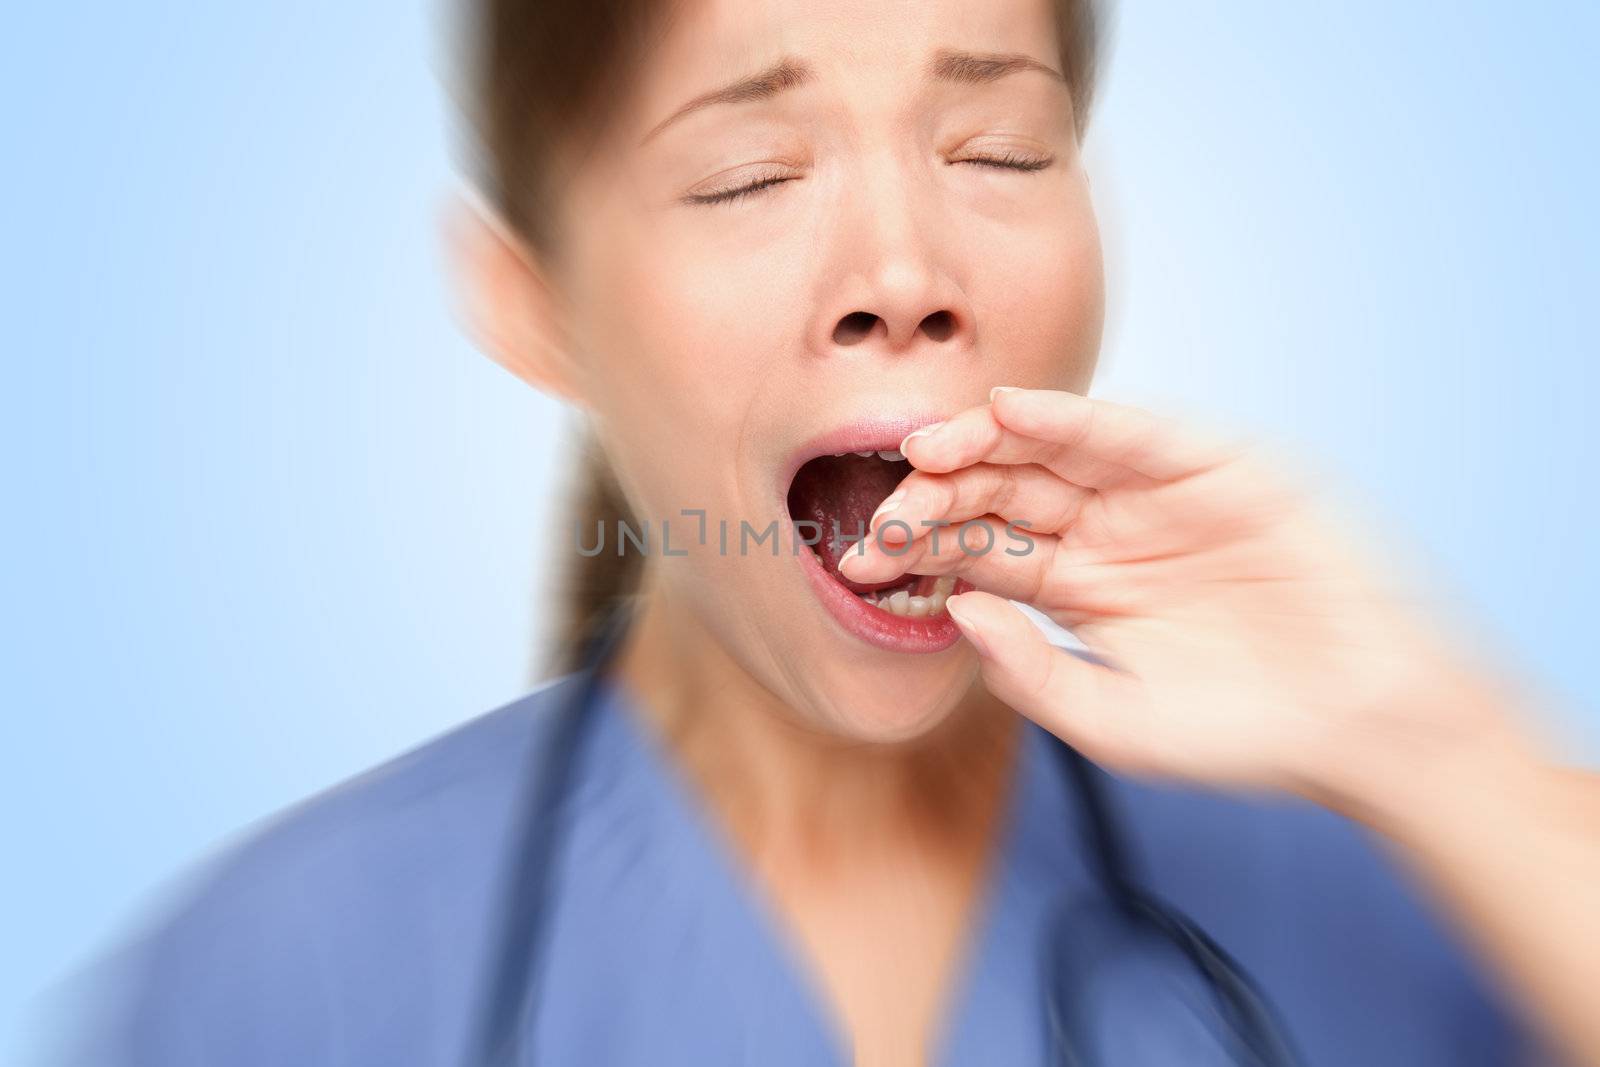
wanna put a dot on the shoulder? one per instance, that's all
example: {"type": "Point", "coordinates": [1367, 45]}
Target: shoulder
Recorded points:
{"type": "Point", "coordinates": [1325, 916]}
{"type": "Point", "coordinates": [395, 827]}
{"type": "Point", "coordinates": [333, 924]}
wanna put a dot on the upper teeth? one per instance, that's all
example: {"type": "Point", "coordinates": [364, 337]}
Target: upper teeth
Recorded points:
{"type": "Point", "coordinates": [889, 455]}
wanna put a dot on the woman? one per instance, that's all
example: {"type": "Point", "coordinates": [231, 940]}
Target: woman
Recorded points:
{"type": "Point", "coordinates": [786, 812]}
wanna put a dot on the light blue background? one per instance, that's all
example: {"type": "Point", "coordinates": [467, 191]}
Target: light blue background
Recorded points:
{"type": "Point", "coordinates": [270, 519]}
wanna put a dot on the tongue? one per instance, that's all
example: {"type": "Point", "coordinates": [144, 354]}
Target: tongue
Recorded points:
{"type": "Point", "coordinates": [844, 490]}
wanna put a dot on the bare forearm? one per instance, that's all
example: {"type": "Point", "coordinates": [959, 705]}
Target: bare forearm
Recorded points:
{"type": "Point", "coordinates": [1510, 843]}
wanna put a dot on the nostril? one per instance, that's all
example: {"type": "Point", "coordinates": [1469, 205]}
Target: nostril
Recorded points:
{"type": "Point", "coordinates": [854, 328]}
{"type": "Point", "coordinates": [939, 326]}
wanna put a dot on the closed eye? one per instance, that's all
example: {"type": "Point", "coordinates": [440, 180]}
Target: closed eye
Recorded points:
{"type": "Point", "coordinates": [728, 196]}
{"type": "Point", "coordinates": [1009, 161]}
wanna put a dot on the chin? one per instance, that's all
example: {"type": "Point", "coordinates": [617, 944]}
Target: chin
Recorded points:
{"type": "Point", "coordinates": [899, 703]}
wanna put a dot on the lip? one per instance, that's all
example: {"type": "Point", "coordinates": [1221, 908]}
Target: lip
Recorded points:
{"type": "Point", "coordinates": [876, 627]}
{"type": "Point", "coordinates": [879, 628]}
{"type": "Point", "coordinates": [880, 434]}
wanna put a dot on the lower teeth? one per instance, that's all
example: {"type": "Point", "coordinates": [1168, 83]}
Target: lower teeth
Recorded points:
{"type": "Point", "coordinates": [902, 603]}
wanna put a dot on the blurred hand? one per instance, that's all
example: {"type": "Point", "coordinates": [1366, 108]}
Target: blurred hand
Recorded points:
{"type": "Point", "coordinates": [1244, 639]}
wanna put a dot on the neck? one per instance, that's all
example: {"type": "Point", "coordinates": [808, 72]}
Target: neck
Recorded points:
{"type": "Point", "coordinates": [780, 786]}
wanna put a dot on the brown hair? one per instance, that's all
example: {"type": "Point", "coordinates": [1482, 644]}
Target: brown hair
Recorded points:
{"type": "Point", "coordinates": [538, 74]}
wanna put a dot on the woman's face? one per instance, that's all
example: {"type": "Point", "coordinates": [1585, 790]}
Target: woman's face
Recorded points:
{"type": "Point", "coordinates": [882, 217]}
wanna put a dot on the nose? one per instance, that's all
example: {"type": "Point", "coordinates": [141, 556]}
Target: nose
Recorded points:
{"type": "Point", "coordinates": [887, 287]}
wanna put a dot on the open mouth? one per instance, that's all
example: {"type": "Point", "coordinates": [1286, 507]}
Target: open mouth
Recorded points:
{"type": "Point", "coordinates": [838, 492]}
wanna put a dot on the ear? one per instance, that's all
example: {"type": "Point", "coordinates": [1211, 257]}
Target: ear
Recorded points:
{"type": "Point", "coordinates": [506, 301]}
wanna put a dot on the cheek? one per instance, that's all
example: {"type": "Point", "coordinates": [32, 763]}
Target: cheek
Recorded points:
{"type": "Point", "coordinates": [676, 353]}
{"type": "Point", "coordinates": [1040, 297]}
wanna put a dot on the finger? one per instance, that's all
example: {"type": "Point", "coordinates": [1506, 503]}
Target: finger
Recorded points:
{"type": "Point", "coordinates": [994, 556]}
{"type": "Point", "coordinates": [1026, 494]}
{"type": "Point", "coordinates": [1093, 707]}
{"type": "Point", "coordinates": [1091, 443]}
{"type": "Point", "coordinates": [968, 437]}
{"type": "Point", "coordinates": [1011, 561]}
{"type": "Point", "coordinates": [974, 436]}
{"type": "Point", "coordinates": [966, 431]}
{"type": "Point", "coordinates": [1118, 435]}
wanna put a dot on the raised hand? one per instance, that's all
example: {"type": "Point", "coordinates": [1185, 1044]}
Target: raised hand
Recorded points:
{"type": "Point", "coordinates": [1245, 640]}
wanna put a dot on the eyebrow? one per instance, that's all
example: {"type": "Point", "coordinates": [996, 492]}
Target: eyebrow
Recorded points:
{"type": "Point", "coordinates": [981, 68]}
{"type": "Point", "coordinates": [948, 65]}
{"type": "Point", "coordinates": [785, 74]}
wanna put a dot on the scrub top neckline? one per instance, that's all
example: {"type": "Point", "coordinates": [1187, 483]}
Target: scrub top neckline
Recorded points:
{"type": "Point", "coordinates": [1006, 898]}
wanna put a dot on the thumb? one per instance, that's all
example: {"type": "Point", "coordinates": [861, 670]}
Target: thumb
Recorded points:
{"type": "Point", "coordinates": [1086, 704]}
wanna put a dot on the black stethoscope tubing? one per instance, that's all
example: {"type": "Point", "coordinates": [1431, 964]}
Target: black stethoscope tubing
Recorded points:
{"type": "Point", "coordinates": [518, 969]}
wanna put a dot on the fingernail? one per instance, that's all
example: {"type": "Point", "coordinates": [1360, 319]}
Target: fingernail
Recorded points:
{"type": "Point", "coordinates": [967, 629]}
{"type": "Point", "coordinates": [1002, 389]}
{"type": "Point", "coordinates": [914, 434]}
{"type": "Point", "coordinates": [886, 507]}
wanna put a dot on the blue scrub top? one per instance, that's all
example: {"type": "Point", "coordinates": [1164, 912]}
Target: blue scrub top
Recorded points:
{"type": "Point", "coordinates": [358, 928]}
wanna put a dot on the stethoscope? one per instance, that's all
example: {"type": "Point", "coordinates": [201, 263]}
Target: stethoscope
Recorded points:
{"type": "Point", "coordinates": [1099, 1011]}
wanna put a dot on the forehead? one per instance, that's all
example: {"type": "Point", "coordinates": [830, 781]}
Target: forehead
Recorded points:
{"type": "Point", "coordinates": [861, 44]}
